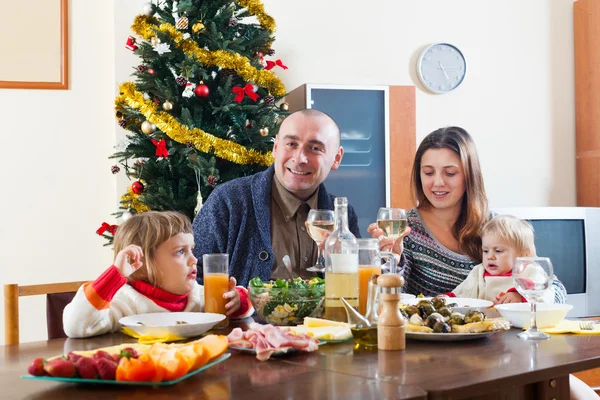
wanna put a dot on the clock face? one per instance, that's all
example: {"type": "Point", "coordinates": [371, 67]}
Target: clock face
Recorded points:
{"type": "Point", "coordinates": [441, 67]}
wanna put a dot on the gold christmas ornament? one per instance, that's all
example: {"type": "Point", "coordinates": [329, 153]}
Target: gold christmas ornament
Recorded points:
{"type": "Point", "coordinates": [147, 26]}
{"type": "Point", "coordinates": [264, 131]}
{"type": "Point", "coordinates": [205, 142]}
{"type": "Point", "coordinates": [148, 127]}
{"type": "Point", "coordinates": [284, 107]}
{"type": "Point", "coordinates": [154, 40]}
{"type": "Point", "coordinates": [167, 106]}
{"type": "Point", "coordinates": [197, 27]}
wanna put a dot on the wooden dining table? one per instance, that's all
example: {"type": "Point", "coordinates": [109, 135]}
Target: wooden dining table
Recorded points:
{"type": "Point", "coordinates": [500, 366]}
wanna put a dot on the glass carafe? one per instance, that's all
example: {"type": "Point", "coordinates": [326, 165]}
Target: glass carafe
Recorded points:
{"type": "Point", "coordinates": [341, 265]}
{"type": "Point", "coordinates": [369, 263]}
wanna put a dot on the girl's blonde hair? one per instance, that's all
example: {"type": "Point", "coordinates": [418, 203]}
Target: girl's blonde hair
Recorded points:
{"type": "Point", "coordinates": [474, 208]}
{"type": "Point", "coordinates": [517, 232]}
{"type": "Point", "coordinates": [149, 230]}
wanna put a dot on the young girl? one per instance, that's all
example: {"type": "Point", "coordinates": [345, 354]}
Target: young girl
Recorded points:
{"type": "Point", "coordinates": [504, 238]}
{"type": "Point", "coordinates": [154, 271]}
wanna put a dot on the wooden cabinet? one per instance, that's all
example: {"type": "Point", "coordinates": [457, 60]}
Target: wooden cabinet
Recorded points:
{"type": "Point", "coordinates": [586, 25]}
{"type": "Point", "coordinates": [378, 135]}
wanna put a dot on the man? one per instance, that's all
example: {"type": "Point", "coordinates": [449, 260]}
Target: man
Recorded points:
{"type": "Point", "coordinates": [260, 218]}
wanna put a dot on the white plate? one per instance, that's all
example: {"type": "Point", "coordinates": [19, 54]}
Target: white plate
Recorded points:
{"type": "Point", "coordinates": [464, 304]}
{"type": "Point", "coordinates": [162, 324]}
{"type": "Point", "coordinates": [447, 337]}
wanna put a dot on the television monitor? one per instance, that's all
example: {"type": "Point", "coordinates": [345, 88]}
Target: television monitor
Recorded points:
{"type": "Point", "coordinates": [570, 237]}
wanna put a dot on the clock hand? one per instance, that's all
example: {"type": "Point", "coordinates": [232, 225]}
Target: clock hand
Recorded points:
{"type": "Point", "coordinates": [443, 70]}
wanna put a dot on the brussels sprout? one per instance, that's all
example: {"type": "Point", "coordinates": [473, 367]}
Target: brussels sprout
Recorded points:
{"type": "Point", "coordinates": [425, 310]}
{"type": "Point", "coordinates": [420, 295]}
{"type": "Point", "coordinates": [456, 318]}
{"type": "Point", "coordinates": [473, 316]}
{"type": "Point", "coordinates": [404, 313]}
{"type": "Point", "coordinates": [438, 302]}
{"type": "Point", "coordinates": [433, 319]}
{"type": "Point", "coordinates": [425, 302]}
{"type": "Point", "coordinates": [445, 311]}
{"type": "Point", "coordinates": [441, 327]}
{"type": "Point", "coordinates": [410, 310]}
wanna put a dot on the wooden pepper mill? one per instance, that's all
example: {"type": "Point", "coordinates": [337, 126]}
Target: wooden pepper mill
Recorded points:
{"type": "Point", "coordinates": [390, 323]}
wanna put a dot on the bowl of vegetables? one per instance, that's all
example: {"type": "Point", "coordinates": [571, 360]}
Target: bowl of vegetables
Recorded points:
{"type": "Point", "coordinates": [288, 302]}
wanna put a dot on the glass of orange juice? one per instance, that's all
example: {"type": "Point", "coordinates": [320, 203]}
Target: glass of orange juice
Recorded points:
{"type": "Point", "coordinates": [216, 284]}
{"type": "Point", "coordinates": [369, 263]}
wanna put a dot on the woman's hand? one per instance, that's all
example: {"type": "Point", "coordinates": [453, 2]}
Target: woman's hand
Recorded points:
{"type": "Point", "coordinates": [385, 244]}
{"type": "Point", "coordinates": [129, 260]}
{"type": "Point", "coordinates": [234, 304]}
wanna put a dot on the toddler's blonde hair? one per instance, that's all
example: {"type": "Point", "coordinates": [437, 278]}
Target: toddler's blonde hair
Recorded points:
{"type": "Point", "coordinates": [516, 231]}
{"type": "Point", "coordinates": [149, 230]}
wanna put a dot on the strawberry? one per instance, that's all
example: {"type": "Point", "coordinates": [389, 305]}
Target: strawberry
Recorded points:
{"type": "Point", "coordinates": [73, 357]}
{"type": "Point", "coordinates": [107, 369]}
{"type": "Point", "coordinates": [102, 354]}
{"type": "Point", "coordinates": [128, 352]}
{"type": "Point", "coordinates": [86, 368]}
{"type": "Point", "coordinates": [36, 367]}
{"type": "Point", "coordinates": [60, 368]}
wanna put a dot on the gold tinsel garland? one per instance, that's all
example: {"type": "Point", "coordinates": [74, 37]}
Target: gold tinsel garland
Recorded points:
{"type": "Point", "coordinates": [201, 140]}
{"type": "Point", "coordinates": [134, 202]}
{"type": "Point", "coordinates": [255, 7]}
{"type": "Point", "coordinates": [146, 26]}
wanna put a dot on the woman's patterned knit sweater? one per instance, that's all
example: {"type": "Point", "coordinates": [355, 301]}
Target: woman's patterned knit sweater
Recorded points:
{"type": "Point", "coordinates": [432, 269]}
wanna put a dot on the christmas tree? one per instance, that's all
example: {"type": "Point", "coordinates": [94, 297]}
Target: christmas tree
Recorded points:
{"type": "Point", "coordinates": [202, 109]}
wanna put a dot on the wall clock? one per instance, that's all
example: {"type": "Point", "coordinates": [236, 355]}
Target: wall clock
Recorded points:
{"type": "Point", "coordinates": [441, 67]}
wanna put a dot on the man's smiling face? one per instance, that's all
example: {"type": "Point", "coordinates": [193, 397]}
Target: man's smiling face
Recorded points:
{"type": "Point", "coordinates": [305, 150]}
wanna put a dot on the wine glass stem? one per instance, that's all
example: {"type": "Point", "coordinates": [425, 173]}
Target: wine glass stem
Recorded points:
{"type": "Point", "coordinates": [533, 322]}
{"type": "Point", "coordinates": [319, 257]}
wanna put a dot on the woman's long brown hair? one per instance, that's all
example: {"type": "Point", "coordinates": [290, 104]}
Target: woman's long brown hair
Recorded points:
{"type": "Point", "coordinates": [474, 208]}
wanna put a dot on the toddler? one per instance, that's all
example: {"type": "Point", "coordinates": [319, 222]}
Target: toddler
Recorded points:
{"type": "Point", "coordinates": [503, 238]}
{"type": "Point", "coordinates": [154, 271]}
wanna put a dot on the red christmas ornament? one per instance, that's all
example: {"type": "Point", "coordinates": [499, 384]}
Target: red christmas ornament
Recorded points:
{"type": "Point", "coordinates": [137, 187]}
{"type": "Point", "coordinates": [130, 44]}
{"type": "Point", "coordinates": [201, 90]}
{"type": "Point", "coordinates": [151, 71]}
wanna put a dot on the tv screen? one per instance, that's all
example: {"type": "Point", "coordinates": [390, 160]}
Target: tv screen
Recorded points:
{"type": "Point", "coordinates": [564, 242]}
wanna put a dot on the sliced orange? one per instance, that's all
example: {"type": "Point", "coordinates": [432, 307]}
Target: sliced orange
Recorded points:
{"type": "Point", "coordinates": [214, 345]}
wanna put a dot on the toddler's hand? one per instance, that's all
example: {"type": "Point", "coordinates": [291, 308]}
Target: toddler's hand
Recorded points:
{"type": "Point", "coordinates": [233, 296]}
{"type": "Point", "coordinates": [129, 260]}
{"type": "Point", "coordinates": [510, 297]}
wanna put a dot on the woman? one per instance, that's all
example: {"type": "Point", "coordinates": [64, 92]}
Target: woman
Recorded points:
{"type": "Point", "coordinates": [443, 241]}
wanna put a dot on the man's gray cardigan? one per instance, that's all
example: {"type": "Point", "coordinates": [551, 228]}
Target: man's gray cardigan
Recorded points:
{"type": "Point", "coordinates": [236, 219]}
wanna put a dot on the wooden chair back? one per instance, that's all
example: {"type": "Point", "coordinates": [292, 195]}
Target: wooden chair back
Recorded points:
{"type": "Point", "coordinates": [12, 292]}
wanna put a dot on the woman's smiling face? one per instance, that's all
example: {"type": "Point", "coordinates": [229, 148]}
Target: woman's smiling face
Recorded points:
{"type": "Point", "coordinates": [442, 178]}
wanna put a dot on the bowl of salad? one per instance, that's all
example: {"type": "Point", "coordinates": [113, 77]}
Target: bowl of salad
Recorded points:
{"type": "Point", "coordinates": [288, 302]}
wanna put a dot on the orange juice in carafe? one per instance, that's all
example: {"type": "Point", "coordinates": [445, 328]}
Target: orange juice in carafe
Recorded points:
{"type": "Point", "coordinates": [364, 273]}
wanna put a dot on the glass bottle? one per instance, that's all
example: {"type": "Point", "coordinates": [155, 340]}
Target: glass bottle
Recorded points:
{"type": "Point", "coordinates": [341, 265]}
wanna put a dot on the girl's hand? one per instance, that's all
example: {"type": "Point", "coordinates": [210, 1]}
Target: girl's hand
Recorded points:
{"type": "Point", "coordinates": [233, 296]}
{"type": "Point", "coordinates": [386, 244]}
{"type": "Point", "coordinates": [129, 260]}
{"type": "Point", "coordinates": [510, 297]}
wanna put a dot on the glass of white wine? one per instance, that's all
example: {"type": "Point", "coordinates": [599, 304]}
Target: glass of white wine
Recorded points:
{"type": "Point", "coordinates": [533, 277]}
{"type": "Point", "coordinates": [318, 224]}
{"type": "Point", "coordinates": [392, 221]}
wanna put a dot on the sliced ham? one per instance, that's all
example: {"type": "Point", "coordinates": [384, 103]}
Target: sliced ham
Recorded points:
{"type": "Point", "coordinates": [268, 339]}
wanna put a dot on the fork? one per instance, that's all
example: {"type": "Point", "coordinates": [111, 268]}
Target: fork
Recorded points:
{"type": "Point", "coordinates": [586, 326]}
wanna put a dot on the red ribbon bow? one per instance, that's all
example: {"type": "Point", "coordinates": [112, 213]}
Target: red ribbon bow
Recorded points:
{"type": "Point", "coordinates": [106, 227]}
{"type": "Point", "coordinates": [161, 148]}
{"type": "Point", "coordinates": [271, 65]}
{"type": "Point", "coordinates": [247, 90]}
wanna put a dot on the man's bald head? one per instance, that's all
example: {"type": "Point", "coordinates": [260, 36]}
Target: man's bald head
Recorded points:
{"type": "Point", "coordinates": [306, 149]}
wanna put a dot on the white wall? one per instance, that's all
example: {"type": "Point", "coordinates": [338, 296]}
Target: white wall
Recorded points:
{"type": "Point", "coordinates": [517, 101]}
{"type": "Point", "coordinates": [56, 182]}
